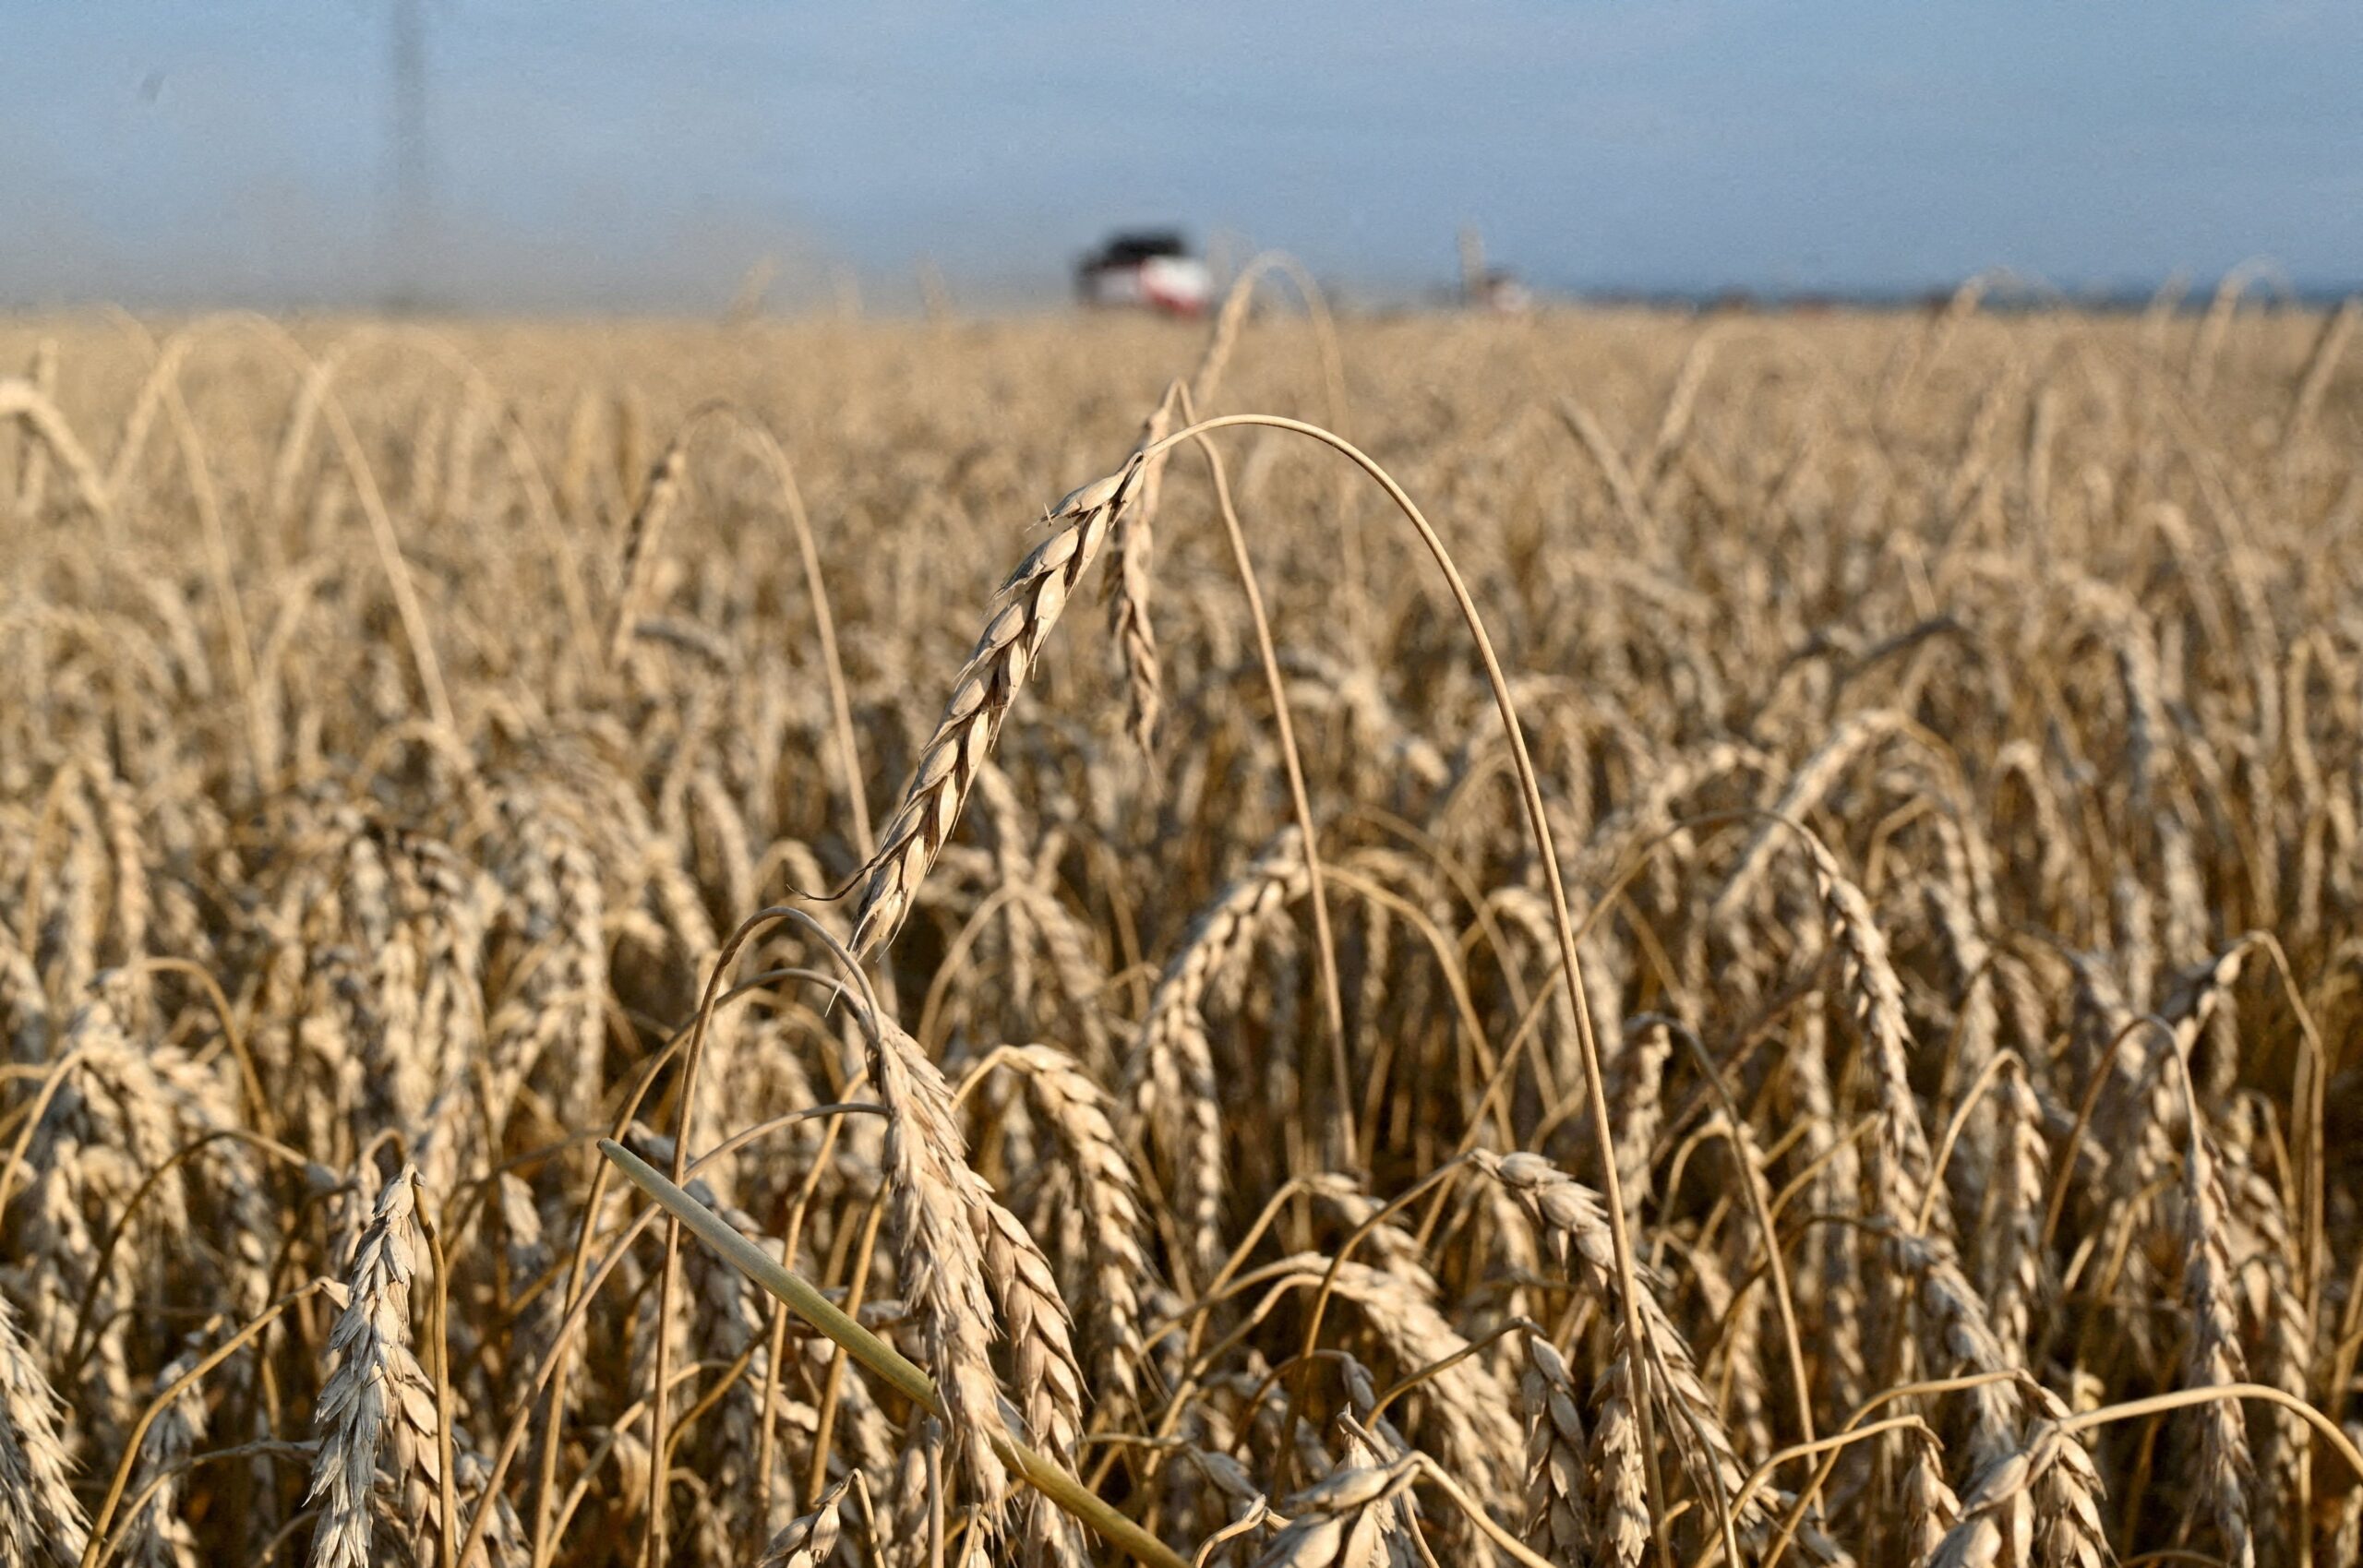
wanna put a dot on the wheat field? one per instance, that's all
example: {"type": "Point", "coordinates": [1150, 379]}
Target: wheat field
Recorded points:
{"type": "Point", "coordinates": [1614, 937]}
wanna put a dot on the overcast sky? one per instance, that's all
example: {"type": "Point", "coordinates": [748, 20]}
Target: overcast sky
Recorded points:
{"type": "Point", "coordinates": [599, 154]}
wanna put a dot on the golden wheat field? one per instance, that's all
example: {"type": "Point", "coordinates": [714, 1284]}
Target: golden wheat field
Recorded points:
{"type": "Point", "coordinates": [1727, 940]}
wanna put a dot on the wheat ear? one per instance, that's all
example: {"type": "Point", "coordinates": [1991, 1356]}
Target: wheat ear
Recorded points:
{"type": "Point", "coordinates": [931, 1199]}
{"type": "Point", "coordinates": [811, 1540]}
{"type": "Point", "coordinates": [1030, 603]}
{"type": "Point", "coordinates": [41, 1520]}
{"type": "Point", "coordinates": [378, 1391]}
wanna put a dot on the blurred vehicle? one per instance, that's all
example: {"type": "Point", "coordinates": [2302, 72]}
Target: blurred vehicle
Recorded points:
{"type": "Point", "coordinates": [1494, 288]}
{"type": "Point", "coordinates": [1501, 291]}
{"type": "Point", "coordinates": [1145, 270]}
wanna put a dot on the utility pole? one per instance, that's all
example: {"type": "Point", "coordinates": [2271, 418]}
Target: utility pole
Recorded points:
{"type": "Point", "coordinates": [410, 212]}
{"type": "Point", "coordinates": [1472, 266]}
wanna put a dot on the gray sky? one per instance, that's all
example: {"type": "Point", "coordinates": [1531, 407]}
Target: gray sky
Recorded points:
{"type": "Point", "coordinates": [598, 154]}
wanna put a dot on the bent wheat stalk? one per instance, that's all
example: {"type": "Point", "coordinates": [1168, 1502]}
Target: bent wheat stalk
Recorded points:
{"type": "Point", "coordinates": [1538, 822]}
{"type": "Point", "coordinates": [817, 1309]}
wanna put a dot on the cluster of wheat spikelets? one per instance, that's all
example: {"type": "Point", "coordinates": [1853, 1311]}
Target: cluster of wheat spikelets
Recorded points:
{"type": "Point", "coordinates": [1741, 944]}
